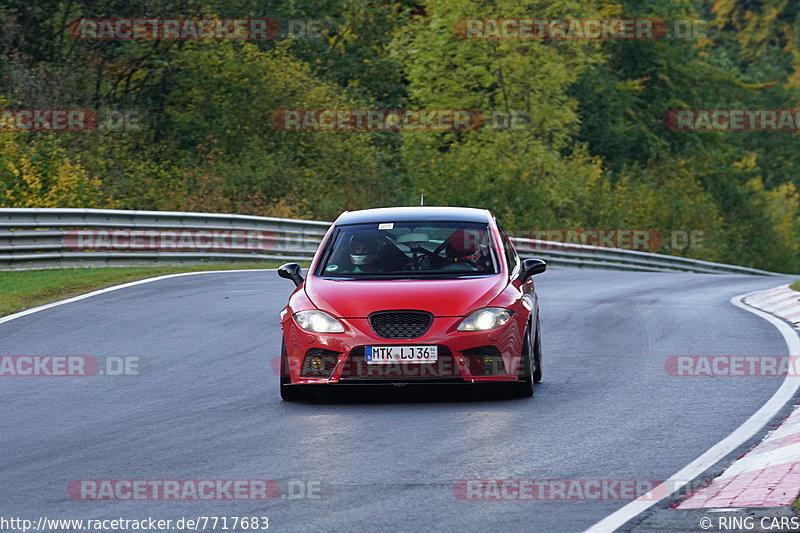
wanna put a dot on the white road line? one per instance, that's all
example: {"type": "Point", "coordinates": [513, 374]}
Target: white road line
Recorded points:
{"type": "Point", "coordinates": [116, 288]}
{"type": "Point", "coordinates": [741, 434]}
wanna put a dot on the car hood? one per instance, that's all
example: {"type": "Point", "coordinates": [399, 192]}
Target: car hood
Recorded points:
{"type": "Point", "coordinates": [445, 297]}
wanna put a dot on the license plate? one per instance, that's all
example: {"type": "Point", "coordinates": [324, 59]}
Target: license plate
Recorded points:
{"type": "Point", "coordinates": [376, 355]}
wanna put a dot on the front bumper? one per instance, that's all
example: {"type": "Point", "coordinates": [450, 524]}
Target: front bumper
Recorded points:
{"type": "Point", "coordinates": [455, 364]}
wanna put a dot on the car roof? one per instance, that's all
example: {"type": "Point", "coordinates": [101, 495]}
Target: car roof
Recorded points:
{"type": "Point", "coordinates": [414, 214]}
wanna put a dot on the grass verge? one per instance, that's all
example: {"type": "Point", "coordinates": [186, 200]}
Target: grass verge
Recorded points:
{"type": "Point", "coordinates": [28, 288]}
{"type": "Point", "coordinates": [795, 285]}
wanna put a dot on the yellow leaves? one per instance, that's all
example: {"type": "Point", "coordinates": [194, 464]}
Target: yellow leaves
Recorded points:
{"type": "Point", "coordinates": [32, 182]}
{"type": "Point", "coordinates": [755, 184]}
{"type": "Point", "coordinates": [748, 162]}
{"type": "Point", "coordinates": [13, 169]}
{"type": "Point", "coordinates": [638, 84]}
{"type": "Point", "coordinates": [793, 81]}
{"type": "Point", "coordinates": [281, 208]}
{"type": "Point", "coordinates": [759, 25]}
{"type": "Point", "coordinates": [33, 175]}
{"type": "Point", "coordinates": [723, 8]}
{"type": "Point", "coordinates": [784, 209]}
{"type": "Point", "coordinates": [346, 34]}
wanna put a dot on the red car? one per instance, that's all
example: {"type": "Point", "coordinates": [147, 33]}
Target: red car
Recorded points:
{"type": "Point", "coordinates": [412, 296]}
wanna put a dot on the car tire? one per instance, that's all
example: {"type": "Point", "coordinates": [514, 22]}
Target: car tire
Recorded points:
{"type": "Point", "coordinates": [288, 393]}
{"type": "Point", "coordinates": [537, 354]}
{"type": "Point", "coordinates": [523, 388]}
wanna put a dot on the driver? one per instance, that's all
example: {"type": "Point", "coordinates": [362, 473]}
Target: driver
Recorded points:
{"type": "Point", "coordinates": [365, 252]}
{"type": "Point", "coordinates": [464, 246]}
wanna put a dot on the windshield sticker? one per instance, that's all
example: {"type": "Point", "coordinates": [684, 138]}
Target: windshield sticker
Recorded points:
{"type": "Point", "coordinates": [386, 225]}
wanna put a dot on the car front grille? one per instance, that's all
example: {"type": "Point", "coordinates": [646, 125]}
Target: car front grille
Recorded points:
{"type": "Point", "coordinates": [400, 324]}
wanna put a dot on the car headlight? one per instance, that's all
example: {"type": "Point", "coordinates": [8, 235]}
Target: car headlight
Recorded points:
{"type": "Point", "coordinates": [486, 318]}
{"type": "Point", "coordinates": [318, 322]}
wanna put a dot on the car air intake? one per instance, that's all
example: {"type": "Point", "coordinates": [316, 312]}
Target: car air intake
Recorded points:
{"type": "Point", "coordinates": [400, 324]}
{"type": "Point", "coordinates": [319, 363]}
{"type": "Point", "coordinates": [484, 361]}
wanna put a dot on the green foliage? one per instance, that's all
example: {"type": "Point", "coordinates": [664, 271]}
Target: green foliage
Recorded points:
{"type": "Point", "coordinates": [39, 173]}
{"type": "Point", "coordinates": [226, 119]}
{"type": "Point", "coordinates": [532, 175]}
{"type": "Point", "coordinates": [593, 151]}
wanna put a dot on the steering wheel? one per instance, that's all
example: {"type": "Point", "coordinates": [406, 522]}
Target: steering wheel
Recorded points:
{"type": "Point", "coordinates": [420, 254]}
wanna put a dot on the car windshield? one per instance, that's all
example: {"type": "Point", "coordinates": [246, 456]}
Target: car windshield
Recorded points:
{"type": "Point", "coordinates": [409, 249]}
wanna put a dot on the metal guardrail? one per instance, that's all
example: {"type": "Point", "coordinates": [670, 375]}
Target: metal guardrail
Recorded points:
{"type": "Point", "coordinates": [36, 238]}
{"type": "Point", "coordinates": [583, 256]}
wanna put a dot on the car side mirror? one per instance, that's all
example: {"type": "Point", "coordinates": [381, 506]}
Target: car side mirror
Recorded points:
{"type": "Point", "coordinates": [291, 271]}
{"type": "Point", "coordinates": [531, 267]}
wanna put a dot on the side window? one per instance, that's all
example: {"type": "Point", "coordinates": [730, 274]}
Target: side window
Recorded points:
{"type": "Point", "coordinates": [511, 256]}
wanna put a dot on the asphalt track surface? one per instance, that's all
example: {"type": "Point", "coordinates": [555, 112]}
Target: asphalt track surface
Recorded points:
{"type": "Point", "coordinates": [208, 406]}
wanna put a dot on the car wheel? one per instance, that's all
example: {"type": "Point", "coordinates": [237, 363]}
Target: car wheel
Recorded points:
{"type": "Point", "coordinates": [289, 394]}
{"type": "Point", "coordinates": [524, 387]}
{"type": "Point", "coordinates": [537, 354]}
